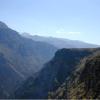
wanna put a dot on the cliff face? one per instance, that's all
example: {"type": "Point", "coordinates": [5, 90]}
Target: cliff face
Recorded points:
{"type": "Point", "coordinates": [53, 74]}
{"type": "Point", "coordinates": [84, 83]}
{"type": "Point", "coordinates": [88, 83]}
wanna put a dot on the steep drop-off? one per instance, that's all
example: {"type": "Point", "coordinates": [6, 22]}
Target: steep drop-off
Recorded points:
{"type": "Point", "coordinates": [84, 83]}
{"type": "Point", "coordinates": [53, 74]}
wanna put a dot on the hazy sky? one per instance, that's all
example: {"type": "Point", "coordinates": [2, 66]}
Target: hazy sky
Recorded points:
{"type": "Point", "coordinates": [72, 19]}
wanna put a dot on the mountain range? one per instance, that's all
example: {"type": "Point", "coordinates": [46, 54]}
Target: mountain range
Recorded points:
{"type": "Point", "coordinates": [83, 83]}
{"type": "Point", "coordinates": [20, 57]}
{"type": "Point", "coordinates": [60, 42]}
{"type": "Point", "coordinates": [53, 74]}
{"type": "Point", "coordinates": [36, 67]}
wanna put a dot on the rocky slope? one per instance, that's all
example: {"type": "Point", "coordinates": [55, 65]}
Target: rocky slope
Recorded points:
{"type": "Point", "coordinates": [19, 58]}
{"type": "Point", "coordinates": [84, 83]}
{"type": "Point", "coordinates": [87, 83]}
{"type": "Point", "coordinates": [53, 74]}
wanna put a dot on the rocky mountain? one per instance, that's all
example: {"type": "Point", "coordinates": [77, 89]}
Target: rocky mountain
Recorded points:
{"type": "Point", "coordinates": [87, 83]}
{"type": "Point", "coordinates": [53, 74]}
{"type": "Point", "coordinates": [84, 83]}
{"type": "Point", "coordinates": [19, 58]}
{"type": "Point", "coordinates": [61, 42]}
{"type": "Point", "coordinates": [27, 72]}
{"type": "Point", "coordinates": [23, 50]}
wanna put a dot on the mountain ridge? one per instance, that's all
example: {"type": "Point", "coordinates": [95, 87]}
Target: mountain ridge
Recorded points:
{"type": "Point", "coordinates": [84, 83]}
{"type": "Point", "coordinates": [22, 57]}
{"type": "Point", "coordinates": [3, 25]}
{"type": "Point", "coordinates": [61, 42]}
{"type": "Point", "coordinates": [53, 74]}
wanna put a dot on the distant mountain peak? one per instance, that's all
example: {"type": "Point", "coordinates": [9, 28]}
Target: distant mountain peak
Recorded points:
{"type": "Point", "coordinates": [3, 25]}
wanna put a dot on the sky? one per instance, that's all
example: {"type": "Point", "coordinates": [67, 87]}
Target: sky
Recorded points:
{"type": "Point", "coordinates": [71, 19]}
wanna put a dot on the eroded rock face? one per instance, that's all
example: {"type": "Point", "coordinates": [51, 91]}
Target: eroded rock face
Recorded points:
{"type": "Point", "coordinates": [53, 74]}
{"type": "Point", "coordinates": [84, 83]}
{"type": "Point", "coordinates": [90, 78]}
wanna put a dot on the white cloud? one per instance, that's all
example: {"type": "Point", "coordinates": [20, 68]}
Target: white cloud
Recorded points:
{"type": "Point", "coordinates": [62, 31]}
{"type": "Point", "coordinates": [74, 33]}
